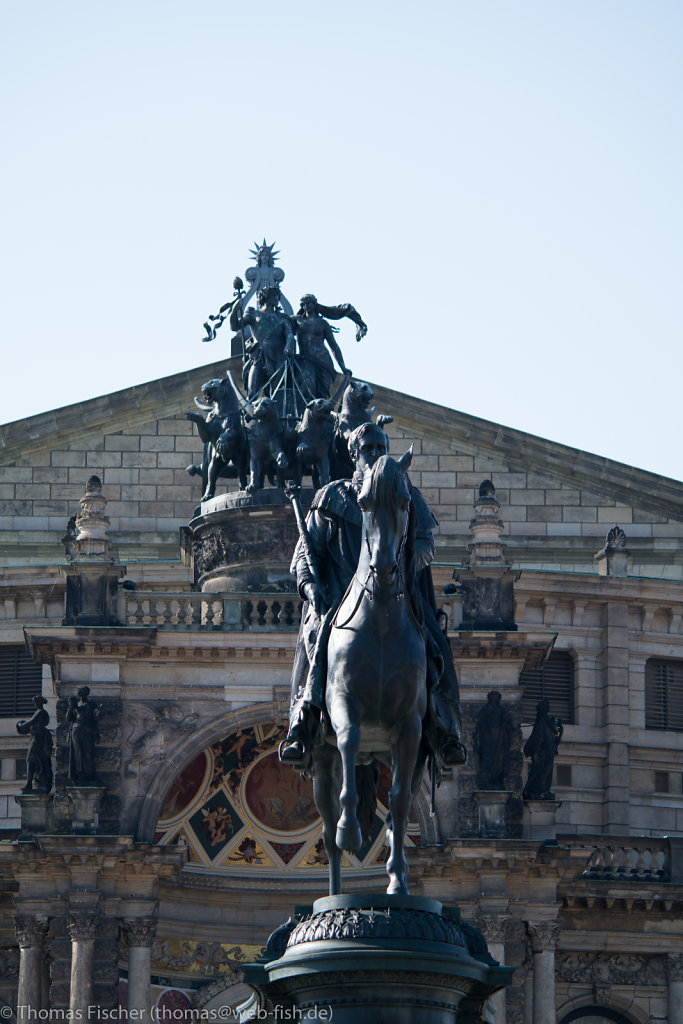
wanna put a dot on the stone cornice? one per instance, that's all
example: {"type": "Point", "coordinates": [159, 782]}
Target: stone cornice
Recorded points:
{"type": "Point", "coordinates": [460, 432]}
{"type": "Point", "coordinates": [133, 643]}
{"type": "Point", "coordinates": [567, 585]}
{"type": "Point", "coordinates": [120, 410]}
{"type": "Point", "coordinates": [531, 647]}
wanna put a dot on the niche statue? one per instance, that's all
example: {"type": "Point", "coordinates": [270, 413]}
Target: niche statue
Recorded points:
{"type": "Point", "coordinates": [39, 754]}
{"type": "Point", "coordinates": [541, 747]}
{"type": "Point", "coordinates": [84, 733]}
{"type": "Point", "coordinates": [491, 742]}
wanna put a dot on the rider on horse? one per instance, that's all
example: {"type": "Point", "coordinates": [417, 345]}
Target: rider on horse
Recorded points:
{"type": "Point", "coordinates": [334, 528]}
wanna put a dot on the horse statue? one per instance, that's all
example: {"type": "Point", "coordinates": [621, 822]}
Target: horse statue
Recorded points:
{"type": "Point", "coordinates": [376, 693]}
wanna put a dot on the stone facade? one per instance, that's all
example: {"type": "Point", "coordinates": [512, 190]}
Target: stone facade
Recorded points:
{"type": "Point", "coordinates": [588, 910]}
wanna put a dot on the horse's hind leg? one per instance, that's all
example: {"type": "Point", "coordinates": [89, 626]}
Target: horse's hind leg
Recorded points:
{"type": "Point", "coordinates": [348, 828]}
{"type": "Point", "coordinates": [404, 757]}
{"type": "Point", "coordinates": [326, 780]}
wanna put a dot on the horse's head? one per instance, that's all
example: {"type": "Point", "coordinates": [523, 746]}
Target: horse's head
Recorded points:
{"type": "Point", "coordinates": [384, 501]}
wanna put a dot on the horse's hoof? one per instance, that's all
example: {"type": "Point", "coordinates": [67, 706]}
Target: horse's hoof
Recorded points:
{"type": "Point", "coordinates": [349, 838]}
{"type": "Point", "coordinates": [397, 888]}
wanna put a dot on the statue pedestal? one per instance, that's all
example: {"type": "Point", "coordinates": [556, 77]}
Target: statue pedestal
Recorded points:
{"type": "Point", "coordinates": [244, 542]}
{"type": "Point", "coordinates": [539, 819]}
{"type": "Point", "coordinates": [87, 802]}
{"type": "Point", "coordinates": [36, 815]}
{"type": "Point", "coordinates": [491, 804]}
{"type": "Point", "coordinates": [377, 959]}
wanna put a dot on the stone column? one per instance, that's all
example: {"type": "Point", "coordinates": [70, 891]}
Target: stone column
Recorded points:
{"type": "Point", "coordinates": [674, 976]}
{"type": "Point", "coordinates": [528, 1016]}
{"type": "Point", "coordinates": [82, 927]}
{"type": "Point", "coordinates": [544, 936]}
{"type": "Point", "coordinates": [30, 997]}
{"type": "Point", "coordinates": [140, 934]}
{"type": "Point", "coordinates": [494, 930]}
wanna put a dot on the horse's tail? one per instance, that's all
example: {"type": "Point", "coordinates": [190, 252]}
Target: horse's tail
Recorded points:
{"type": "Point", "coordinates": [367, 777]}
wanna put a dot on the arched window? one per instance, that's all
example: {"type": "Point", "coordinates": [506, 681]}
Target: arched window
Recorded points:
{"type": "Point", "coordinates": [554, 683]}
{"type": "Point", "coordinates": [595, 1015]}
{"type": "Point", "coordinates": [664, 694]}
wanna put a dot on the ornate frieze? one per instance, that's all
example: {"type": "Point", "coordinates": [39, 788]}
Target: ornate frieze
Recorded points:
{"type": "Point", "coordinates": [151, 727]}
{"type": "Point", "coordinates": [602, 969]}
{"type": "Point", "coordinates": [203, 958]}
{"type": "Point", "coordinates": [395, 923]}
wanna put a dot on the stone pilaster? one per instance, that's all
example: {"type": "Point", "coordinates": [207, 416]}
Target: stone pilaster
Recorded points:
{"type": "Point", "coordinates": [544, 936]}
{"type": "Point", "coordinates": [615, 713]}
{"type": "Point", "coordinates": [140, 934]}
{"type": "Point", "coordinates": [673, 966]}
{"type": "Point", "coordinates": [494, 930]}
{"type": "Point", "coordinates": [31, 932]}
{"type": "Point", "coordinates": [82, 927]}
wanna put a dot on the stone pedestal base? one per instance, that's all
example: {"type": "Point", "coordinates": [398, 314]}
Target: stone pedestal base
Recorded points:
{"type": "Point", "coordinates": [491, 806]}
{"type": "Point", "coordinates": [244, 542]}
{"type": "Point", "coordinates": [539, 819]}
{"type": "Point", "coordinates": [36, 815]}
{"type": "Point", "coordinates": [377, 959]}
{"type": "Point", "coordinates": [87, 802]}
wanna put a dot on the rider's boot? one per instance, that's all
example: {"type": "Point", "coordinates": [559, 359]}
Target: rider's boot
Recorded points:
{"type": "Point", "coordinates": [453, 752]}
{"type": "Point", "coordinates": [297, 746]}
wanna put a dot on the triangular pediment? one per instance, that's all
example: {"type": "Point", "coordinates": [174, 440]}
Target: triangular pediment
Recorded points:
{"type": "Point", "coordinates": [557, 503]}
{"type": "Point", "coordinates": [444, 430]}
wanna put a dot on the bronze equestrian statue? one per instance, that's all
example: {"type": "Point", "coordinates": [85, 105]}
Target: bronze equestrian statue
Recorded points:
{"type": "Point", "coordinates": [328, 562]}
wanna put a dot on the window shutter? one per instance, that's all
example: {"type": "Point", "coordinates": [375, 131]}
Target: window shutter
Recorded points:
{"type": "Point", "coordinates": [664, 694]}
{"type": "Point", "coordinates": [20, 681]}
{"type": "Point", "coordinates": [554, 683]}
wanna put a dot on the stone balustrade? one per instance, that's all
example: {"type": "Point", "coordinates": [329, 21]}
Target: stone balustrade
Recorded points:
{"type": "Point", "coordinates": [226, 611]}
{"type": "Point", "coordinates": [633, 859]}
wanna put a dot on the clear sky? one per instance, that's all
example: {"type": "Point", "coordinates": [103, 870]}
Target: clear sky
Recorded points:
{"type": "Point", "coordinates": [495, 185]}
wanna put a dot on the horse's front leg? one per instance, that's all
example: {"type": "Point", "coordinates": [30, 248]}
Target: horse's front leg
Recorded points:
{"type": "Point", "coordinates": [348, 828]}
{"type": "Point", "coordinates": [326, 782]}
{"type": "Point", "coordinates": [404, 756]}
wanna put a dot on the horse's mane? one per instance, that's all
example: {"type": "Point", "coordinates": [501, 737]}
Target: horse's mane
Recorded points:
{"type": "Point", "coordinates": [382, 490]}
{"type": "Point", "coordinates": [387, 479]}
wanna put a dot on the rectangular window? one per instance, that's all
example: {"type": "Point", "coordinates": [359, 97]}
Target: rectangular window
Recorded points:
{"type": "Point", "coordinates": [664, 694]}
{"type": "Point", "coordinates": [661, 782]}
{"type": "Point", "coordinates": [554, 683]}
{"type": "Point", "coordinates": [563, 773]}
{"type": "Point", "coordinates": [20, 681]}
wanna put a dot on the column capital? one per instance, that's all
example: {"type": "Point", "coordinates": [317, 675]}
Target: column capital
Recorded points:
{"type": "Point", "coordinates": [140, 931]}
{"type": "Point", "coordinates": [82, 925]}
{"type": "Point", "coordinates": [30, 931]}
{"type": "Point", "coordinates": [673, 966]}
{"type": "Point", "coordinates": [543, 935]}
{"type": "Point", "coordinates": [493, 928]}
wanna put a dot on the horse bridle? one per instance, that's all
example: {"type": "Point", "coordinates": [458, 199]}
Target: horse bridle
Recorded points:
{"type": "Point", "coordinates": [368, 591]}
